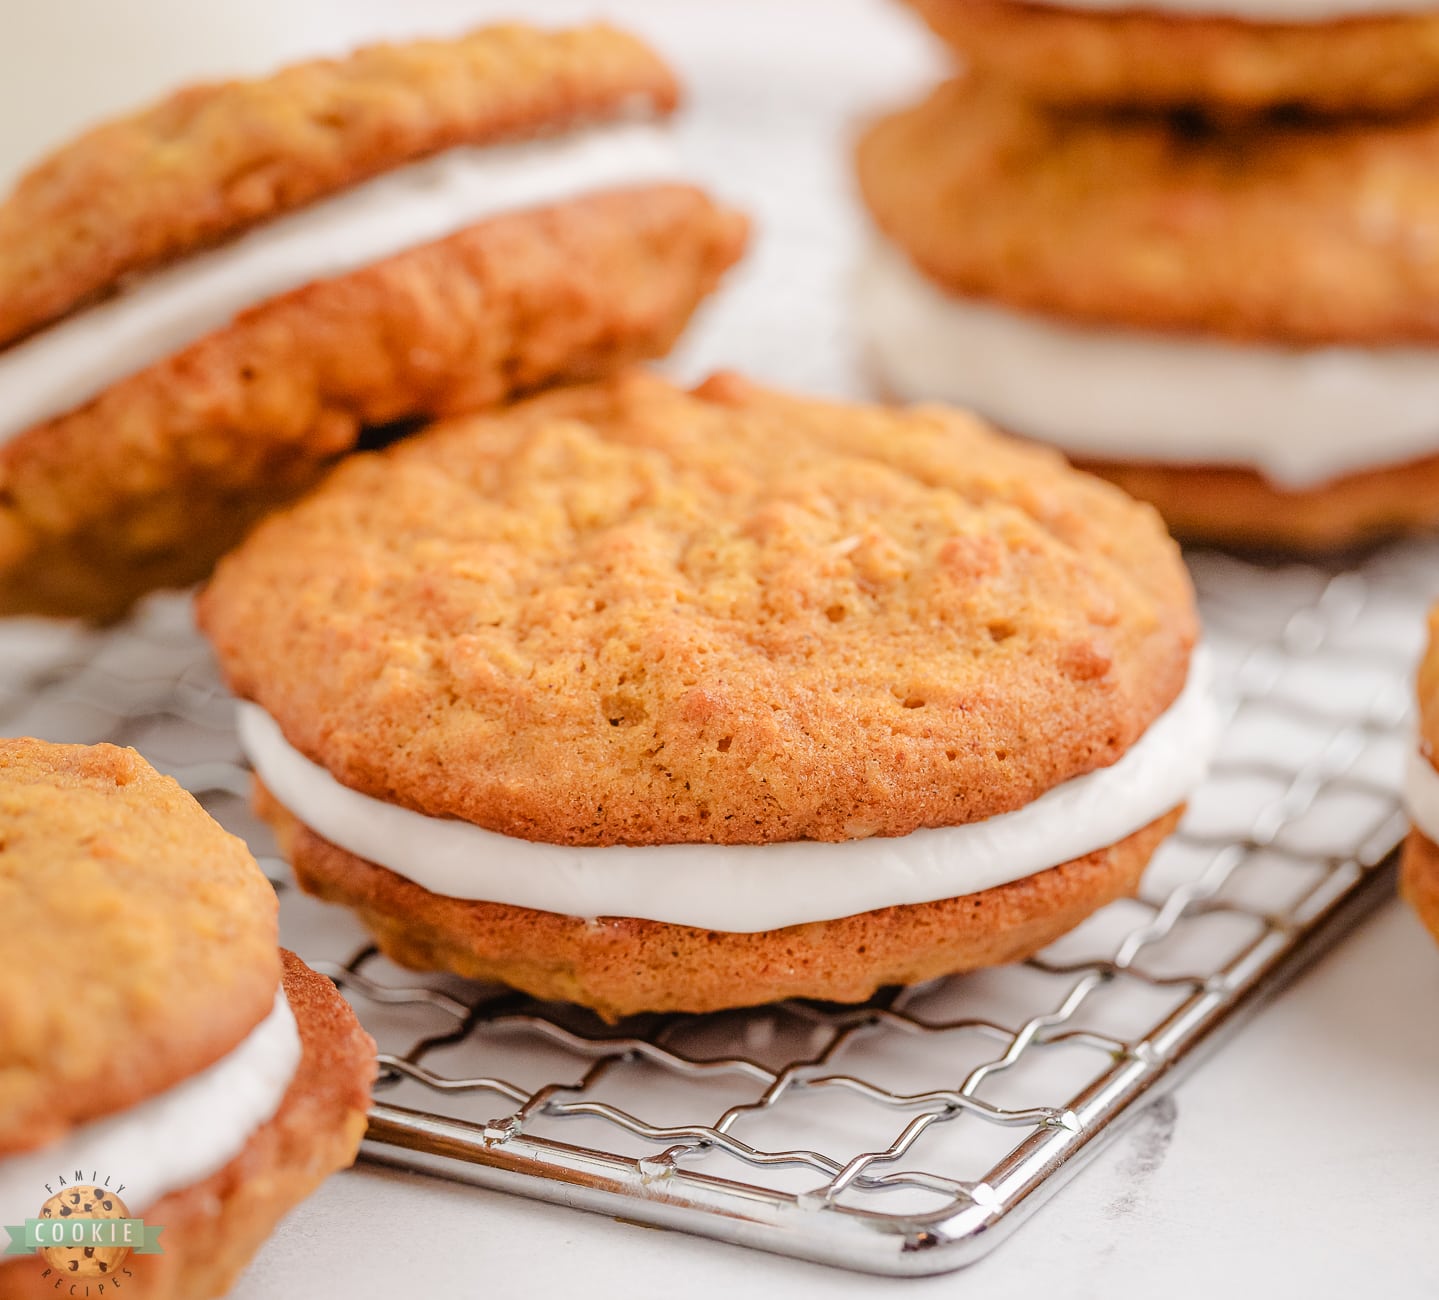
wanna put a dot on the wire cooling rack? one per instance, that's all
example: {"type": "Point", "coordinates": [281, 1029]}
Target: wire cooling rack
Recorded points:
{"type": "Point", "coordinates": [909, 1134]}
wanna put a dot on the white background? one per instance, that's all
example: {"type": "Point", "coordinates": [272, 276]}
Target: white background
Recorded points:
{"type": "Point", "coordinates": [1302, 1159]}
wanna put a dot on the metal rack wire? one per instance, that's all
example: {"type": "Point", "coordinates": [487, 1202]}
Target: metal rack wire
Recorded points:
{"type": "Point", "coordinates": [907, 1135]}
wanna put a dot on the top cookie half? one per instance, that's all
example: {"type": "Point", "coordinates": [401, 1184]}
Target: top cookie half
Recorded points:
{"type": "Point", "coordinates": [208, 303]}
{"type": "Point", "coordinates": [1289, 232]}
{"type": "Point", "coordinates": [139, 938]}
{"type": "Point", "coordinates": [1221, 57]}
{"type": "Point", "coordinates": [624, 613]}
{"type": "Point", "coordinates": [212, 161]}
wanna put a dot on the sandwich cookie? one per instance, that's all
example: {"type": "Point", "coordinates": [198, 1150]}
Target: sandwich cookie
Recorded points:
{"type": "Point", "coordinates": [1419, 874]}
{"type": "Point", "coordinates": [1221, 57]}
{"type": "Point", "coordinates": [658, 700]}
{"type": "Point", "coordinates": [1240, 326]}
{"type": "Point", "coordinates": [205, 304]}
{"type": "Point", "coordinates": [156, 1039]}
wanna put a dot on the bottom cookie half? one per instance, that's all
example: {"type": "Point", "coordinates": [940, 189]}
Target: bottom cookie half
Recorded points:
{"type": "Point", "coordinates": [1419, 879]}
{"type": "Point", "coordinates": [1239, 507]}
{"type": "Point", "coordinates": [149, 483]}
{"type": "Point", "coordinates": [621, 966]}
{"type": "Point", "coordinates": [213, 1228]}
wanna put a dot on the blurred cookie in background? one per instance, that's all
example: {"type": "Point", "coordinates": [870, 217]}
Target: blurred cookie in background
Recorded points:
{"type": "Point", "coordinates": [1220, 57]}
{"type": "Point", "coordinates": [206, 303]}
{"type": "Point", "coordinates": [1238, 322]}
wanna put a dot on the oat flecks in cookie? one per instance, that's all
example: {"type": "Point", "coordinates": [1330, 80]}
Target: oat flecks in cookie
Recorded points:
{"type": "Point", "coordinates": [140, 937]}
{"type": "Point", "coordinates": [1278, 231]}
{"type": "Point", "coordinates": [145, 486]}
{"type": "Point", "coordinates": [1144, 58]}
{"type": "Point", "coordinates": [626, 613]}
{"type": "Point", "coordinates": [211, 161]}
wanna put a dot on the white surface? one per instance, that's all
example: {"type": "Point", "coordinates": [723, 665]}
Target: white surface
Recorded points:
{"type": "Point", "coordinates": [1301, 416]}
{"type": "Point", "coordinates": [69, 64]}
{"type": "Point", "coordinates": [70, 362]}
{"type": "Point", "coordinates": [750, 887]}
{"type": "Point", "coordinates": [1300, 1160]}
{"type": "Point", "coordinates": [174, 1139]}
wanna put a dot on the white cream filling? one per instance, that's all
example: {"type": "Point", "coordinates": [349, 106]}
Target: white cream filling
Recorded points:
{"type": "Point", "coordinates": [1421, 795]}
{"type": "Point", "coordinates": [171, 1140]}
{"type": "Point", "coordinates": [68, 363]}
{"type": "Point", "coordinates": [1300, 416]}
{"type": "Point", "coordinates": [746, 887]}
{"type": "Point", "coordinates": [1259, 11]}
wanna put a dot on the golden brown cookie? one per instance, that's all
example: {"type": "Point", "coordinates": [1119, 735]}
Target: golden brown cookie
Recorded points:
{"type": "Point", "coordinates": [628, 614]}
{"type": "Point", "coordinates": [213, 1228]}
{"type": "Point", "coordinates": [1239, 507]}
{"type": "Point", "coordinates": [1144, 58]}
{"type": "Point", "coordinates": [211, 161]}
{"type": "Point", "coordinates": [1283, 231]}
{"type": "Point", "coordinates": [623, 613]}
{"type": "Point", "coordinates": [147, 484]}
{"type": "Point", "coordinates": [619, 966]}
{"type": "Point", "coordinates": [166, 926]}
{"type": "Point", "coordinates": [1419, 879]}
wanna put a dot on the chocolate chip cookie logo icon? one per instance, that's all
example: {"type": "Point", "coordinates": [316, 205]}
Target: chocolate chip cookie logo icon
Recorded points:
{"type": "Point", "coordinates": [84, 1230]}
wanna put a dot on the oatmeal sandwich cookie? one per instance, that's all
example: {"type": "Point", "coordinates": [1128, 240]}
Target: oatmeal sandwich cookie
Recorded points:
{"type": "Point", "coordinates": [1221, 57]}
{"type": "Point", "coordinates": [154, 1037]}
{"type": "Point", "coordinates": [1239, 325]}
{"type": "Point", "coordinates": [653, 700]}
{"type": "Point", "coordinates": [1419, 877]}
{"type": "Point", "coordinates": [203, 305]}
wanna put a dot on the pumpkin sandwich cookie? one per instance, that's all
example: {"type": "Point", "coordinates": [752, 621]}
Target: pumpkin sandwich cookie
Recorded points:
{"type": "Point", "coordinates": [161, 1059]}
{"type": "Point", "coordinates": [1419, 877]}
{"type": "Point", "coordinates": [1240, 326]}
{"type": "Point", "coordinates": [650, 700]}
{"type": "Point", "coordinates": [204, 304]}
{"type": "Point", "coordinates": [1222, 57]}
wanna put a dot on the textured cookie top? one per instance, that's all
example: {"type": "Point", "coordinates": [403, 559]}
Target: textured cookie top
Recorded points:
{"type": "Point", "coordinates": [211, 161]}
{"type": "Point", "coordinates": [1279, 231]}
{"type": "Point", "coordinates": [623, 613]}
{"type": "Point", "coordinates": [139, 938]}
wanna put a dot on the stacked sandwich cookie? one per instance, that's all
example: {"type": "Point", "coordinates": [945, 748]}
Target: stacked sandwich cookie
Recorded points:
{"type": "Point", "coordinates": [160, 1054]}
{"type": "Point", "coordinates": [1225, 57]}
{"type": "Point", "coordinates": [1419, 880]}
{"type": "Point", "coordinates": [205, 304]}
{"type": "Point", "coordinates": [1207, 274]}
{"type": "Point", "coordinates": [649, 699]}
